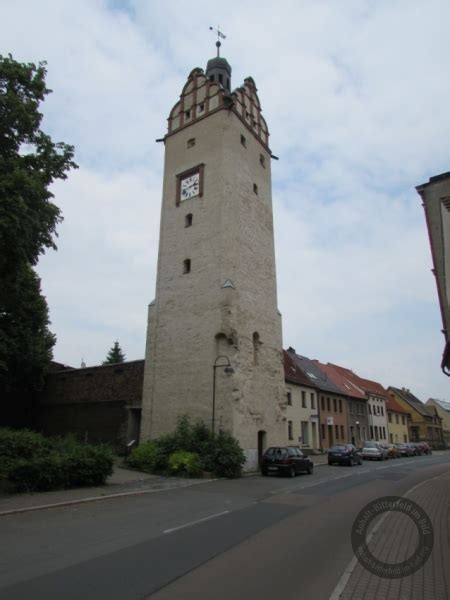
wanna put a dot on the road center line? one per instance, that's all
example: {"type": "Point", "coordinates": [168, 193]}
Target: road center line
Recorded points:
{"type": "Point", "coordinates": [197, 521]}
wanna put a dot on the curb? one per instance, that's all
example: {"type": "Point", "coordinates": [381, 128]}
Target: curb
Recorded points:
{"type": "Point", "coordinates": [15, 511]}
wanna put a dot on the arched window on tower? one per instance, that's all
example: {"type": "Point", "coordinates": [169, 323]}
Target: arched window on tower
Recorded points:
{"type": "Point", "coordinates": [256, 347]}
{"type": "Point", "coordinates": [188, 220]}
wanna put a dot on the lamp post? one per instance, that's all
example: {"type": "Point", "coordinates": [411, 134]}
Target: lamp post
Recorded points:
{"type": "Point", "coordinates": [228, 369]}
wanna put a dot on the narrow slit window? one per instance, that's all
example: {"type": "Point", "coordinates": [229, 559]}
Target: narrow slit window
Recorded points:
{"type": "Point", "coordinates": [187, 265]}
{"type": "Point", "coordinates": [187, 114]}
{"type": "Point", "coordinates": [255, 188]}
{"type": "Point", "coordinates": [188, 220]}
{"type": "Point", "coordinates": [220, 78]}
{"type": "Point", "coordinates": [262, 161]}
{"type": "Point", "coordinates": [191, 143]}
{"type": "Point", "coordinates": [243, 141]}
{"type": "Point", "coordinates": [211, 77]}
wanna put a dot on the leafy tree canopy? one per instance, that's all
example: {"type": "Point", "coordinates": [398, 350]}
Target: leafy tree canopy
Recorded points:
{"type": "Point", "coordinates": [115, 355]}
{"type": "Point", "coordinates": [29, 163]}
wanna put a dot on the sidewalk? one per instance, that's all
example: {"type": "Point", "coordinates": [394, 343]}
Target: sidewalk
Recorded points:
{"type": "Point", "coordinates": [397, 540]}
{"type": "Point", "coordinates": [122, 482]}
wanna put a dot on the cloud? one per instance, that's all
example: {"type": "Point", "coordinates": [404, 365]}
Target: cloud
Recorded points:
{"type": "Point", "coordinates": [356, 97]}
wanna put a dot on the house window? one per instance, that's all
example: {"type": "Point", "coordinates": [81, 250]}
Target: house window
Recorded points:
{"type": "Point", "coordinates": [243, 141]}
{"type": "Point", "coordinates": [350, 408]}
{"type": "Point", "coordinates": [405, 438]}
{"type": "Point", "coordinates": [382, 411]}
{"type": "Point", "coordinates": [289, 398]}
{"type": "Point", "coordinates": [340, 406]}
{"type": "Point", "coordinates": [303, 399]}
{"type": "Point", "coordinates": [220, 78]}
{"type": "Point", "coordinates": [191, 143]}
{"type": "Point", "coordinates": [390, 417]}
{"type": "Point", "coordinates": [188, 220]}
{"type": "Point", "coordinates": [334, 405]}
{"type": "Point", "coordinates": [322, 402]}
{"type": "Point", "coordinates": [403, 420]}
{"type": "Point", "coordinates": [262, 161]}
{"type": "Point", "coordinates": [313, 401]}
{"type": "Point", "coordinates": [328, 405]}
{"type": "Point", "coordinates": [323, 431]}
{"type": "Point", "coordinates": [255, 188]}
{"type": "Point", "coordinates": [187, 114]}
{"type": "Point", "coordinates": [370, 409]}
{"type": "Point", "coordinates": [391, 438]}
{"type": "Point", "coordinates": [201, 107]}
{"type": "Point", "coordinates": [342, 432]}
{"type": "Point", "coordinates": [187, 265]}
{"type": "Point", "coordinates": [336, 428]}
{"type": "Point", "coordinates": [396, 419]}
{"type": "Point", "coordinates": [371, 432]}
{"type": "Point", "coordinates": [290, 432]}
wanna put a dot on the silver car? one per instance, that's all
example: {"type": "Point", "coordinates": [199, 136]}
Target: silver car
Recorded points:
{"type": "Point", "coordinates": [373, 451]}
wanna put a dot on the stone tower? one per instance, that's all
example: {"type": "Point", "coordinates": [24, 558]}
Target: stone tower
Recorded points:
{"type": "Point", "coordinates": [216, 290]}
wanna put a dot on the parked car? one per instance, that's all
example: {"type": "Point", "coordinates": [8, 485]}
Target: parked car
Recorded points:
{"type": "Point", "coordinates": [415, 448]}
{"type": "Point", "coordinates": [405, 450]}
{"type": "Point", "coordinates": [285, 460]}
{"type": "Point", "coordinates": [393, 451]}
{"type": "Point", "coordinates": [346, 454]}
{"type": "Point", "coordinates": [373, 451]}
{"type": "Point", "coordinates": [425, 448]}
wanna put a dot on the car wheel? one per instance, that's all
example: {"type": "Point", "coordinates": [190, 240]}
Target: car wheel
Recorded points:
{"type": "Point", "coordinates": [360, 461]}
{"type": "Point", "coordinates": [350, 463]}
{"type": "Point", "coordinates": [309, 470]}
{"type": "Point", "coordinates": [291, 472]}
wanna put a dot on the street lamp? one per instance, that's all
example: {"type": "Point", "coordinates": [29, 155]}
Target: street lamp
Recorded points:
{"type": "Point", "coordinates": [228, 369]}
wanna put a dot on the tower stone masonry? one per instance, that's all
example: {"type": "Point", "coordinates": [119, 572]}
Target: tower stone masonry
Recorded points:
{"type": "Point", "coordinates": [216, 282]}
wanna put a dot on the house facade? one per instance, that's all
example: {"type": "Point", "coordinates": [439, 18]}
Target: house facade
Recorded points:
{"type": "Point", "coordinates": [443, 410]}
{"type": "Point", "coordinates": [424, 423]}
{"type": "Point", "coordinates": [397, 422]}
{"type": "Point", "coordinates": [302, 411]}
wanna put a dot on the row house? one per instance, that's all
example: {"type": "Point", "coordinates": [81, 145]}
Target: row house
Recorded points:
{"type": "Point", "coordinates": [357, 413]}
{"type": "Point", "coordinates": [332, 406]}
{"type": "Point", "coordinates": [301, 410]}
{"type": "Point", "coordinates": [443, 410]}
{"type": "Point", "coordinates": [376, 404]}
{"type": "Point", "coordinates": [424, 423]}
{"type": "Point", "coordinates": [397, 422]}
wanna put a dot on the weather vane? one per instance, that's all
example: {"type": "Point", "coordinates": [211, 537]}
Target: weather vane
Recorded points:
{"type": "Point", "coordinates": [219, 36]}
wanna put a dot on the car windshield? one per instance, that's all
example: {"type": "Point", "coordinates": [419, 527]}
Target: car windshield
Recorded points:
{"type": "Point", "coordinates": [337, 448]}
{"type": "Point", "coordinates": [370, 445]}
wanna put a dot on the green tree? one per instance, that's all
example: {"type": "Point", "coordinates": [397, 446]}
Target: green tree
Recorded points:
{"type": "Point", "coordinates": [29, 163]}
{"type": "Point", "coordinates": [115, 355]}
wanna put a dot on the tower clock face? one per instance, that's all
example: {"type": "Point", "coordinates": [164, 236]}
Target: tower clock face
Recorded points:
{"type": "Point", "coordinates": [190, 186]}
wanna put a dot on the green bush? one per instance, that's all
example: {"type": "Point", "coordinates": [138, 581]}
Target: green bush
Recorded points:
{"type": "Point", "coordinates": [181, 462]}
{"type": "Point", "coordinates": [174, 453]}
{"type": "Point", "coordinates": [144, 457]}
{"type": "Point", "coordinates": [227, 457]}
{"type": "Point", "coordinates": [34, 463]}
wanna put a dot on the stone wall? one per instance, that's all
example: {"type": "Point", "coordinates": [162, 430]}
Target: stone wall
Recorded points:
{"type": "Point", "coordinates": [98, 404]}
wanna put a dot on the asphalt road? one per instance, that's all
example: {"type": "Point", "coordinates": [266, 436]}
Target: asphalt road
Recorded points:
{"type": "Point", "coordinates": [256, 537]}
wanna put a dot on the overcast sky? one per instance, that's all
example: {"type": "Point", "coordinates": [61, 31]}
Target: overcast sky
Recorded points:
{"type": "Point", "coordinates": [356, 95]}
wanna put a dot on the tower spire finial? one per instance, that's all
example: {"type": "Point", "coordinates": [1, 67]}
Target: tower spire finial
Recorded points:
{"type": "Point", "coordinates": [219, 35]}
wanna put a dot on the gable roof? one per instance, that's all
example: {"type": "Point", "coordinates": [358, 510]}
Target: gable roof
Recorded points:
{"type": "Point", "coordinates": [367, 385]}
{"type": "Point", "coordinates": [442, 403]}
{"type": "Point", "coordinates": [315, 376]}
{"type": "Point", "coordinates": [414, 402]}
{"type": "Point", "coordinates": [344, 383]}
{"type": "Point", "coordinates": [393, 406]}
{"type": "Point", "coordinates": [292, 372]}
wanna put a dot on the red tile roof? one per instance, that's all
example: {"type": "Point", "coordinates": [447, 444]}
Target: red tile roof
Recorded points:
{"type": "Point", "coordinates": [369, 386]}
{"type": "Point", "coordinates": [341, 380]}
{"type": "Point", "coordinates": [394, 406]}
{"type": "Point", "coordinates": [292, 373]}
